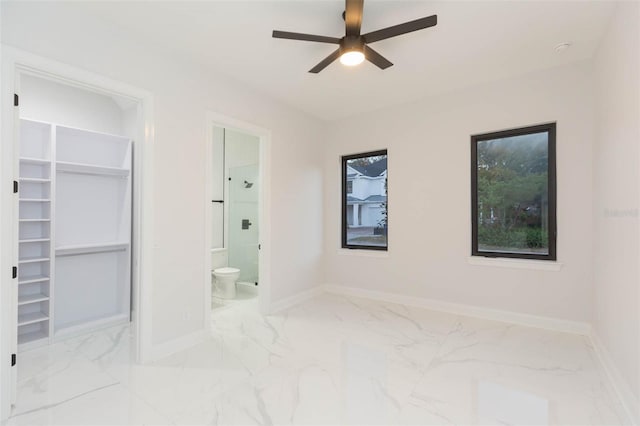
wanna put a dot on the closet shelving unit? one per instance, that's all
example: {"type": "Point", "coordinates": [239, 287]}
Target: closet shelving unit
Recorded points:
{"type": "Point", "coordinates": [74, 231]}
{"type": "Point", "coordinates": [34, 232]}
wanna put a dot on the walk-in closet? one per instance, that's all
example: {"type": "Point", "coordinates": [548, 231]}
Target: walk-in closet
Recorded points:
{"type": "Point", "coordinates": [75, 212]}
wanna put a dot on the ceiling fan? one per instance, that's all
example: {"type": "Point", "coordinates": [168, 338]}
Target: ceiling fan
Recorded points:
{"type": "Point", "coordinates": [354, 46]}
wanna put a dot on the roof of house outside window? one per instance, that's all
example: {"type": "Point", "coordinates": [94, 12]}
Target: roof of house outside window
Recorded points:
{"type": "Point", "coordinates": [369, 199]}
{"type": "Point", "coordinates": [372, 170]}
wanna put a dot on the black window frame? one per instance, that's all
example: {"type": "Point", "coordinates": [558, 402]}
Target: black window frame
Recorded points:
{"type": "Point", "coordinates": [550, 128]}
{"type": "Point", "coordinates": [344, 160]}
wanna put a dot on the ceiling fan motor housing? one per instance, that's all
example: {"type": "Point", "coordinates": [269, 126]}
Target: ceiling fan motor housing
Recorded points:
{"type": "Point", "coordinates": [351, 43]}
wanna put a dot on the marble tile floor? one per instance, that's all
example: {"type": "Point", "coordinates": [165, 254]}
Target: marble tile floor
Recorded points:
{"type": "Point", "coordinates": [244, 293]}
{"type": "Point", "coordinates": [331, 360]}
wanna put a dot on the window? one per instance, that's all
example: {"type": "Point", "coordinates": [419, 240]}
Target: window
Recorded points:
{"type": "Point", "coordinates": [364, 201]}
{"type": "Point", "coordinates": [513, 193]}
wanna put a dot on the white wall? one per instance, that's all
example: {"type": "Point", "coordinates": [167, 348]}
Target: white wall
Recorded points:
{"type": "Point", "coordinates": [429, 183]}
{"type": "Point", "coordinates": [616, 197]}
{"type": "Point", "coordinates": [130, 122]}
{"type": "Point", "coordinates": [241, 149]}
{"type": "Point", "coordinates": [182, 93]}
{"type": "Point", "coordinates": [44, 100]}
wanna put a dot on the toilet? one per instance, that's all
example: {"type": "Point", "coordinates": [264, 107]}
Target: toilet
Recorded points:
{"type": "Point", "coordinates": [223, 277]}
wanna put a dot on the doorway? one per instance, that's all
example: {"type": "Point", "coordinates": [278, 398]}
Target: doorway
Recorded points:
{"type": "Point", "coordinates": [60, 127]}
{"type": "Point", "coordinates": [237, 214]}
{"type": "Point", "coordinates": [74, 211]}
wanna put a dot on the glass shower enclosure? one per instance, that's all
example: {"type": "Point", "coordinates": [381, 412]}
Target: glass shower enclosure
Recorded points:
{"type": "Point", "coordinates": [243, 221]}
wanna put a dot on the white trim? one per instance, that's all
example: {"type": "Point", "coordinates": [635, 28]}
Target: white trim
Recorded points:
{"type": "Point", "coordinates": [528, 320]}
{"type": "Point", "coordinates": [14, 63]}
{"type": "Point", "coordinates": [178, 344]}
{"type": "Point", "coordinates": [616, 380]}
{"type": "Point", "coordinates": [98, 324]}
{"type": "Point", "coordinates": [214, 119]}
{"type": "Point", "coordinates": [554, 324]}
{"type": "Point", "coordinates": [208, 225]}
{"type": "Point", "coordinates": [296, 299]}
{"type": "Point", "coordinates": [8, 246]}
{"type": "Point", "coordinates": [363, 253]}
{"type": "Point", "coordinates": [541, 265]}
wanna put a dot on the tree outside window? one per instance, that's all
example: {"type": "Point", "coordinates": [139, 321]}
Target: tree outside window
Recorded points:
{"type": "Point", "coordinates": [513, 191]}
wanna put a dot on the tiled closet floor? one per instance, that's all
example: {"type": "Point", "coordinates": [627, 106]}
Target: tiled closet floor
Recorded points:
{"type": "Point", "coordinates": [331, 360]}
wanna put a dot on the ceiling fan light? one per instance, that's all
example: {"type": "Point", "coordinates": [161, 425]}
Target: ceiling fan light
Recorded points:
{"type": "Point", "coordinates": [352, 58]}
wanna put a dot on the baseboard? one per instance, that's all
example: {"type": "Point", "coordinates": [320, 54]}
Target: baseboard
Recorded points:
{"type": "Point", "coordinates": [629, 402]}
{"type": "Point", "coordinates": [171, 347]}
{"type": "Point", "coordinates": [83, 328]}
{"type": "Point", "coordinates": [554, 324]}
{"type": "Point", "coordinates": [288, 302]}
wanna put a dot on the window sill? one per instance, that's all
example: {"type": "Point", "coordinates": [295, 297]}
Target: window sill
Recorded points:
{"type": "Point", "coordinates": [540, 265]}
{"type": "Point", "coordinates": [363, 253]}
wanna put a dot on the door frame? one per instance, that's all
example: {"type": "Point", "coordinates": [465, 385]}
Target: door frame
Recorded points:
{"type": "Point", "coordinates": [214, 119]}
{"type": "Point", "coordinates": [16, 62]}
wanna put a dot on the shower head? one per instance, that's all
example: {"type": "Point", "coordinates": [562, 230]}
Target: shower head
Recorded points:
{"type": "Point", "coordinates": [247, 184]}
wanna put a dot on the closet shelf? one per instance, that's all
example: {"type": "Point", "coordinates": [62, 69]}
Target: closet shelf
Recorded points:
{"type": "Point", "coordinates": [91, 248]}
{"type": "Point", "coordinates": [34, 180]}
{"type": "Point", "coordinates": [31, 318]}
{"type": "Point", "coordinates": [32, 298]}
{"type": "Point", "coordinates": [31, 160]}
{"type": "Point", "coordinates": [58, 164]}
{"type": "Point", "coordinates": [34, 240]}
{"type": "Point", "coordinates": [33, 279]}
{"type": "Point", "coordinates": [91, 169]}
{"type": "Point", "coordinates": [33, 259]}
{"type": "Point", "coordinates": [31, 337]}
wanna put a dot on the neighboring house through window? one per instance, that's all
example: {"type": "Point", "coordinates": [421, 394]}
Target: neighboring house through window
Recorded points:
{"type": "Point", "coordinates": [364, 201]}
{"type": "Point", "coordinates": [513, 193]}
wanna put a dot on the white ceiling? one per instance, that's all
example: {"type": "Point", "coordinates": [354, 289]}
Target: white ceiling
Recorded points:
{"type": "Point", "coordinates": [474, 42]}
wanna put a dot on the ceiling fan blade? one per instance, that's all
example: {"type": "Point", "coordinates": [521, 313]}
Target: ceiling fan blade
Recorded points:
{"type": "Point", "coordinates": [376, 58]}
{"type": "Point", "coordinates": [396, 30]}
{"type": "Point", "coordinates": [325, 62]}
{"type": "Point", "coordinates": [305, 37]}
{"type": "Point", "coordinates": [353, 16]}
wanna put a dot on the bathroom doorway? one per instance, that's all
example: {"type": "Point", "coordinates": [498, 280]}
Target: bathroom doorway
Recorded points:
{"type": "Point", "coordinates": [236, 270]}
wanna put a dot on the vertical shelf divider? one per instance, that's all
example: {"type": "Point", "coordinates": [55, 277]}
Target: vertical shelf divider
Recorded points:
{"type": "Point", "coordinates": [52, 232]}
